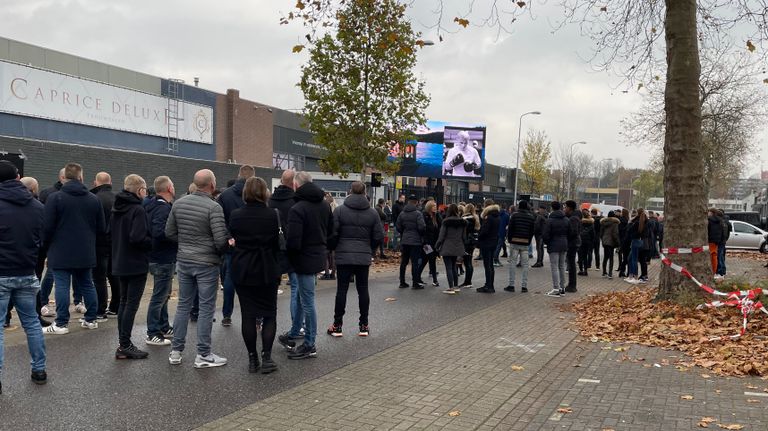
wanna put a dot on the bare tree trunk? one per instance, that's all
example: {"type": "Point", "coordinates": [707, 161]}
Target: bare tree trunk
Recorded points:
{"type": "Point", "coordinates": [685, 198]}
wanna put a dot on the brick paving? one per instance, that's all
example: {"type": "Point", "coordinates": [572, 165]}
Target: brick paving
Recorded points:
{"type": "Point", "coordinates": [459, 377]}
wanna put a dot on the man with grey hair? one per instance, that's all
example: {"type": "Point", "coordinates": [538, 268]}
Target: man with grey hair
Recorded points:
{"type": "Point", "coordinates": [130, 247]}
{"type": "Point", "coordinates": [309, 225]}
{"type": "Point", "coordinates": [196, 222]}
{"type": "Point", "coordinates": [31, 185]}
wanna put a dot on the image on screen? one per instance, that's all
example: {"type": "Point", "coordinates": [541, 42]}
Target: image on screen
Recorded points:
{"type": "Point", "coordinates": [463, 150]}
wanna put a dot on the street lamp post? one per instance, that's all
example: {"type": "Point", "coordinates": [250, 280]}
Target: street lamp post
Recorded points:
{"type": "Point", "coordinates": [599, 172]}
{"type": "Point", "coordinates": [517, 162]}
{"type": "Point", "coordinates": [570, 167]}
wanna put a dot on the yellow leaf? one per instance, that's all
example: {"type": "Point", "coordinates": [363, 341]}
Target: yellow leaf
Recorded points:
{"type": "Point", "coordinates": [686, 397]}
{"type": "Point", "coordinates": [300, 5]}
{"type": "Point", "coordinates": [621, 349]}
{"type": "Point", "coordinates": [454, 413]}
{"type": "Point", "coordinates": [565, 410]}
{"type": "Point", "coordinates": [462, 22]}
{"type": "Point", "coordinates": [517, 368]}
{"type": "Point", "coordinates": [718, 391]}
{"type": "Point", "coordinates": [706, 376]}
{"type": "Point", "coordinates": [297, 48]}
{"type": "Point", "coordinates": [751, 401]}
{"type": "Point", "coordinates": [521, 3]}
{"type": "Point", "coordinates": [708, 419]}
{"type": "Point", "coordinates": [731, 426]}
{"type": "Point", "coordinates": [750, 46]}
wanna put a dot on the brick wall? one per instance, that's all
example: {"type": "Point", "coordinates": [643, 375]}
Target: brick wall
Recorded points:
{"type": "Point", "coordinates": [244, 130]}
{"type": "Point", "coordinates": [44, 159]}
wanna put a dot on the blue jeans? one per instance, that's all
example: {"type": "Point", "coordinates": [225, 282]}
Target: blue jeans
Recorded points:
{"type": "Point", "coordinates": [297, 312]}
{"type": "Point", "coordinates": [24, 290]}
{"type": "Point", "coordinates": [634, 255]}
{"type": "Point", "coordinates": [157, 312]}
{"type": "Point", "coordinates": [515, 251]}
{"type": "Point", "coordinates": [229, 288]}
{"type": "Point", "coordinates": [202, 280]}
{"type": "Point", "coordinates": [721, 259]}
{"type": "Point", "coordinates": [46, 286]}
{"type": "Point", "coordinates": [82, 283]}
{"type": "Point", "coordinates": [307, 284]}
{"type": "Point", "coordinates": [557, 265]}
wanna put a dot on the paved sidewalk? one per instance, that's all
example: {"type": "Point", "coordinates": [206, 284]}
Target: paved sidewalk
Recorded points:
{"type": "Point", "coordinates": [459, 377]}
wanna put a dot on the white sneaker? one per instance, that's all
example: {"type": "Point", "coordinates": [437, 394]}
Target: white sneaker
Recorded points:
{"type": "Point", "coordinates": [719, 277]}
{"type": "Point", "coordinates": [58, 330]}
{"type": "Point", "coordinates": [555, 293]}
{"type": "Point", "coordinates": [80, 308]}
{"type": "Point", "coordinates": [175, 357]}
{"type": "Point", "coordinates": [47, 312]}
{"type": "Point", "coordinates": [158, 341]}
{"type": "Point", "coordinates": [449, 291]}
{"type": "Point", "coordinates": [89, 325]}
{"type": "Point", "coordinates": [209, 361]}
{"type": "Point", "coordinates": [631, 280]}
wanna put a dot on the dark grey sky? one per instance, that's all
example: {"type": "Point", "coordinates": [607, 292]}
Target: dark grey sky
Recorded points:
{"type": "Point", "coordinates": [471, 76]}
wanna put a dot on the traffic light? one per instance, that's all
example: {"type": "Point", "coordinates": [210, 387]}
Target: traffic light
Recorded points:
{"type": "Point", "coordinates": [375, 179]}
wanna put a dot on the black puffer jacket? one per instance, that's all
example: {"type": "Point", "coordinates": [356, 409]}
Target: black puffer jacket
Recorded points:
{"type": "Point", "coordinates": [574, 234]}
{"type": "Point", "coordinates": [450, 241]}
{"type": "Point", "coordinates": [131, 240]}
{"type": "Point", "coordinates": [556, 231]}
{"type": "Point", "coordinates": [21, 230]}
{"type": "Point", "coordinates": [488, 237]}
{"type": "Point", "coordinates": [232, 198]}
{"type": "Point", "coordinates": [357, 230]}
{"type": "Point", "coordinates": [282, 200]}
{"type": "Point", "coordinates": [587, 231]}
{"type": "Point", "coordinates": [538, 225]}
{"type": "Point", "coordinates": [107, 199]}
{"type": "Point", "coordinates": [310, 223]}
{"type": "Point", "coordinates": [609, 231]}
{"type": "Point", "coordinates": [254, 258]}
{"type": "Point", "coordinates": [521, 227]}
{"type": "Point", "coordinates": [163, 250]}
{"type": "Point", "coordinates": [432, 224]}
{"type": "Point", "coordinates": [410, 224]}
{"type": "Point", "coordinates": [715, 232]}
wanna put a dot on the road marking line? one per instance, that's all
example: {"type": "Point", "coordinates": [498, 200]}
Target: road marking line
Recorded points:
{"type": "Point", "coordinates": [756, 394]}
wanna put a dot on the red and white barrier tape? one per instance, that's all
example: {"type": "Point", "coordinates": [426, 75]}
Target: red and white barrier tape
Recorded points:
{"type": "Point", "coordinates": [743, 299]}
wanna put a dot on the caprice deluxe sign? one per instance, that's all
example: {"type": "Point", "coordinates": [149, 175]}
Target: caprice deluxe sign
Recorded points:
{"type": "Point", "coordinates": [38, 93]}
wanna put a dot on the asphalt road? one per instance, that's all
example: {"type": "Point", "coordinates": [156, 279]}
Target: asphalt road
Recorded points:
{"type": "Point", "coordinates": [89, 390]}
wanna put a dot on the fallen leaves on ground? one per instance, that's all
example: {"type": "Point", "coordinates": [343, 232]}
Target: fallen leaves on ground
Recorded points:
{"type": "Point", "coordinates": [686, 397]}
{"type": "Point", "coordinates": [565, 410]}
{"type": "Point", "coordinates": [517, 368]}
{"type": "Point", "coordinates": [731, 426]}
{"type": "Point", "coordinates": [454, 413]}
{"type": "Point", "coordinates": [631, 316]}
{"type": "Point", "coordinates": [751, 401]}
{"type": "Point", "coordinates": [390, 299]}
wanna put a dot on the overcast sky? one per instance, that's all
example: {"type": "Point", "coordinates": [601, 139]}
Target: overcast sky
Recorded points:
{"type": "Point", "coordinates": [471, 76]}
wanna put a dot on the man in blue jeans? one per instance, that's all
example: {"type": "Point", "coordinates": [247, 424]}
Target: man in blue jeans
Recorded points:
{"type": "Point", "coordinates": [196, 222]}
{"type": "Point", "coordinates": [162, 260]}
{"type": "Point", "coordinates": [22, 214]}
{"type": "Point", "coordinates": [230, 200]}
{"type": "Point", "coordinates": [309, 226]}
{"type": "Point", "coordinates": [73, 218]}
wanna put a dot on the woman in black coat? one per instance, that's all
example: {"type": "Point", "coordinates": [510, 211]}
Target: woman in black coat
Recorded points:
{"type": "Point", "coordinates": [487, 239]}
{"type": "Point", "coordinates": [255, 271]}
{"type": "Point", "coordinates": [432, 220]}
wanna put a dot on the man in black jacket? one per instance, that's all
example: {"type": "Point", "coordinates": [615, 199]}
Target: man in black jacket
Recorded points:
{"type": "Point", "coordinates": [73, 218]}
{"type": "Point", "coordinates": [20, 239]}
{"type": "Point", "coordinates": [103, 270]}
{"type": "Point", "coordinates": [487, 240]}
{"type": "Point", "coordinates": [538, 231]}
{"type": "Point", "coordinates": [162, 260]}
{"type": "Point", "coordinates": [131, 244]}
{"type": "Point", "coordinates": [230, 200]}
{"type": "Point", "coordinates": [411, 226]}
{"type": "Point", "coordinates": [574, 242]}
{"type": "Point", "coordinates": [309, 225]}
{"type": "Point", "coordinates": [397, 208]}
{"type": "Point", "coordinates": [357, 231]}
{"type": "Point", "coordinates": [519, 234]}
{"type": "Point", "coordinates": [596, 240]}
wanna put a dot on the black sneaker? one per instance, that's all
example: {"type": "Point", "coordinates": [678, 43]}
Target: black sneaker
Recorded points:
{"type": "Point", "coordinates": [335, 330]}
{"type": "Point", "coordinates": [39, 377]}
{"type": "Point", "coordinates": [524, 290]}
{"type": "Point", "coordinates": [465, 285]}
{"type": "Point", "coordinates": [418, 285]}
{"type": "Point", "coordinates": [287, 341]}
{"type": "Point", "coordinates": [435, 284]}
{"type": "Point", "coordinates": [486, 289]}
{"type": "Point", "coordinates": [363, 331]}
{"type": "Point", "coordinates": [403, 285]}
{"type": "Point", "coordinates": [130, 352]}
{"type": "Point", "coordinates": [227, 321]}
{"type": "Point", "coordinates": [509, 289]}
{"type": "Point", "coordinates": [303, 352]}
{"type": "Point", "coordinates": [267, 364]}
{"type": "Point", "coordinates": [253, 363]}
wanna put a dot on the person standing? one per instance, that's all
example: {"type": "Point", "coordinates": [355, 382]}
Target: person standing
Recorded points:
{"type": "Point", "coordinates": [639, 235]}
{"type": "Point", "coordinates": [380, 210]}
{"type": "Point", "coordinates": [538, 232]}
{"type": "Point", "coordinates": [470, 242]}
{"type": "Point", "coordinates": [230, 200]}
{"type": "Point", "coordinates": [574, 242]}
{"type": "Point", "coordinates": [410, 224]}
{"type": "Point", "coordinates": [596, 217]}
{"type": "Point", "coordinates": [283, 200]}
{"type": "Point", "coordinates": [196, 223]}
{"type": "Point", "coordinates": [502, 244]}
{"type": "Point", "coordinates": [625, 244]}
{"type": "Point", "coordinates": [520, 232]}
{"type": "Point", "coordinates": [397, 208]}
{"type": "Point", "coordinates": [609, 234]}
{"type": "Point", "coordinates": [330, 263]}
{"type": "Point", "coordinates": [255, 271]}
{"type": "Point", "coordinates": [726, 225]}
{"type": "Point", "coordinates": [310, 223]}
{"type": "Point", "coordinates": [73, 219]}
{"type": "Point", "coordinates": [432, 222]}
{"type": "Point", "coordinates": [357, 231]}
{"type": "Point", "coordinates": [131, 243]}
{"type": "Point", "coordinates": [556, 231]}
{"type": "Point", "coordinates": [20, 240]}
{"type": "Point", "coordinates": [162, 260]}
{"type": "Point", "coordinates": [46, 285]}
{"type": "Point", "coordinates": [451, 245]}
{"type": "Point", "coordinates": [714, 236]}
{"type": "Point", "coordinates": [102, 188]}
{"type": "Point", "coordinates": [487, 242]}
{"type": "Point", "coordinates": [587, 233]}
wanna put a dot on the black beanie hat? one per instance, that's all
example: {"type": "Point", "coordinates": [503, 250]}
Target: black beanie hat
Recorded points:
{"type": "Point", "coordinates": [8, 171]}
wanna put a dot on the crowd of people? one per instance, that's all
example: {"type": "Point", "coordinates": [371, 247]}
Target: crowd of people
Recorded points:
{"type": "Point", "coordinates": [96, 246]}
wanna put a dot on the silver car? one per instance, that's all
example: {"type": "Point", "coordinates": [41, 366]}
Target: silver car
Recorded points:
{"type": "Point", "coordinates": [744, 235]}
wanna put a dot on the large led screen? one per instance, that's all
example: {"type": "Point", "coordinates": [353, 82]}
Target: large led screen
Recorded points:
{"type": "Point", "coordinates": [444, 150]}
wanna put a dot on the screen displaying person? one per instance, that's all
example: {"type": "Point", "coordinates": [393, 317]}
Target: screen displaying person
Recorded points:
{"type": "Point", "coordinates": [463, 159]}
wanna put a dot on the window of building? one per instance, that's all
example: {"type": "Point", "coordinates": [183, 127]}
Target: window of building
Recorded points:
{"type": "Point", "coordinates": [285, 161]}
